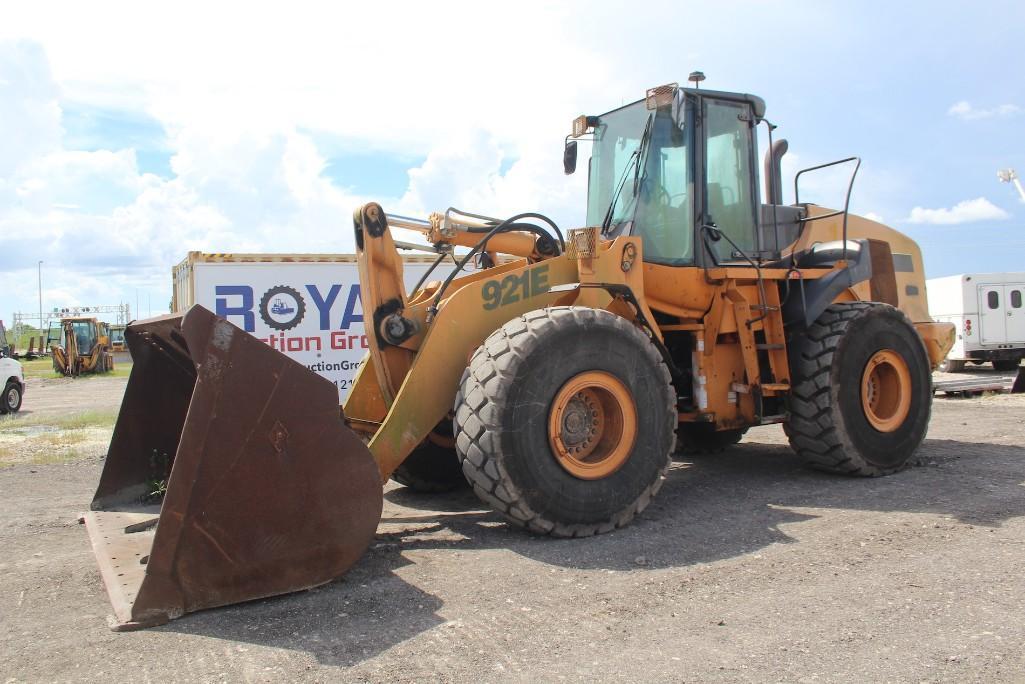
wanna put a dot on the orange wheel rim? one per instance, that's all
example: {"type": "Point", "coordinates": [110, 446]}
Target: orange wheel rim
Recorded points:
{"type": "Point", "coordinates": [592, 425]}
{"type": "Point", "coordinates": [886, 390]}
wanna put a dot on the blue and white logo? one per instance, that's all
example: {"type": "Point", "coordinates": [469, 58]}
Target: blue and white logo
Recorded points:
{"type": "Point", "coordinates": [282, 307]}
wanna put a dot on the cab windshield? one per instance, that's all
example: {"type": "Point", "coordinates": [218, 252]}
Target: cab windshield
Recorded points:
{"type": "Point", "coordinates": [647, 189]}
{"type": "Point", "coordinates": [85, 335]}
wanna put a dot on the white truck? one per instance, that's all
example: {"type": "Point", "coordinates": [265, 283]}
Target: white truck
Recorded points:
{"type": "Point", "coordinates": [305, 305]}
{"type": "Point", "coordinates": [12, 379]}
{"type": "Point", "coordinates": [989, 312]}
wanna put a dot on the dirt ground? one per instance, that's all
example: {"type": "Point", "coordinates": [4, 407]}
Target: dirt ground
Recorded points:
{"type": "Point", "coordinates": [747, 567]}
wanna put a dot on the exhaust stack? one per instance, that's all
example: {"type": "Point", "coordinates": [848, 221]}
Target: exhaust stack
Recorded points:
{"type": "Point", "coordinates": [773, 172]}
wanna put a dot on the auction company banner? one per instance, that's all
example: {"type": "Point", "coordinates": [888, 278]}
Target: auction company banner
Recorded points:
{"type": "Point", "coordinates": [308, 310]}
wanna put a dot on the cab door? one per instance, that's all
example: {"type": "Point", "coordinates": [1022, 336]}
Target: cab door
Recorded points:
{"type": "Point", "coordinates": [731, 178]}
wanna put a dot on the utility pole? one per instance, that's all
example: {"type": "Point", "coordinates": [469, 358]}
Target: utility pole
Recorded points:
{"type": "Point", "coordinates": [40, 266]}
{"type": "Point", "coordinates": [1011, 176]}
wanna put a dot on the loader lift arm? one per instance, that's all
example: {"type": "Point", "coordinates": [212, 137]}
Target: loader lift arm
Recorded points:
{"type": "Point", "coordinates": [442, 339]}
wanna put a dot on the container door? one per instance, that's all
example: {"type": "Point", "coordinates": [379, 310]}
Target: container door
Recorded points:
{"type": "Point", "coordinates": [992, 316]}
{"type": "Point", "coordinates": [1013, 296]}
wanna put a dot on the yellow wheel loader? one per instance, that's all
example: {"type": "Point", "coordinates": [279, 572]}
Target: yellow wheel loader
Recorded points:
{"type": "Point", "coordinates": [557, 383]}
{"type": "Point", "coordinates": [81, 345]}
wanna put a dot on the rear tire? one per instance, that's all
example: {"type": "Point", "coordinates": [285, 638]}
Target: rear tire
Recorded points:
{"type": "Point", "coordinates": [703, 438]}
{"type": "Point", "coordinates": [565, 421]}
{"type": "Point", "coordinates": [431, 468]}
{"type": "Point", "coordinates": [861, 390]}
{"type": "Point", "coordinates": [10, 402]}
{"type": "Point", "coordinates": [1006, 365]}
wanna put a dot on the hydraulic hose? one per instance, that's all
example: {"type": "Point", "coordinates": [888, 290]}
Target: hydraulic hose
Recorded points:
{"type": "Point", "coordinates": [505, 225]}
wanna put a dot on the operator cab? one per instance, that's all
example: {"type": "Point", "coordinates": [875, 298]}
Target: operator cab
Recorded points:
{"type": "Point", "coordinates": [85, 334]}
{"type": "Point", "coordinates": [677, 168]}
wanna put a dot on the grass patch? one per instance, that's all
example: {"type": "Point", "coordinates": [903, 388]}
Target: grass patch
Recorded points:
{"type": "Point", "coordinates": [43, 368]}
{"type": "Point", "coordinates": [56, 456]}
{"type": "Point", "coordinates": [12, 424]}
{"type": "Point", "coordinates": [61, 439]}
{"type": "Point", "coordinates": [40, 442]}
{"type": "Point", "coordinates": [38, 368]}
{"type": "Point", "coordinates": [121, 370]}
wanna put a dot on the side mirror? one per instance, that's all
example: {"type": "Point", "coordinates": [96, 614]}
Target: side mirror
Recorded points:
{"type": "Point", "coordinates": [569, 157]}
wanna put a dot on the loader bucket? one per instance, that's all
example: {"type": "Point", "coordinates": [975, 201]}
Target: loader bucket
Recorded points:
{"type": "Point", "coordinates": [231, 475]}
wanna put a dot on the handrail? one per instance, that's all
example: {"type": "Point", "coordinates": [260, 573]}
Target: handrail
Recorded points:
{"type": "Point", "coordinates": [847, 199]}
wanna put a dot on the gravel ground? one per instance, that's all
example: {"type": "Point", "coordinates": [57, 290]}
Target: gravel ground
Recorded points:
{"type": "Point", "coordinates": [747, 567]}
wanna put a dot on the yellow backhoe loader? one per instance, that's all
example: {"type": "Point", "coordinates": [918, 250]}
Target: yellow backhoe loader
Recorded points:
{"type": "Point", "coordinates": [81, 345]}
{"type": "Point", "coordinates": [558, 384]}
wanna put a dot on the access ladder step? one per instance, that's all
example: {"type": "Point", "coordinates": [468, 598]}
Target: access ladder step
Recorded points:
{"type": "Point", "coordinates": [769, 347]}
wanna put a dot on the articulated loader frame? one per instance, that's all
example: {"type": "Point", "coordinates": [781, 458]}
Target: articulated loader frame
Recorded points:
{"type": "Point", "coordinates": [406, 386]}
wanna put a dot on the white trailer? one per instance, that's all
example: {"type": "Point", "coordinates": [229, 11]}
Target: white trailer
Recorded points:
{"type": "Point", "coordinates": [989, 312]}
{"type": "Point", "coordinates": [304, 305]}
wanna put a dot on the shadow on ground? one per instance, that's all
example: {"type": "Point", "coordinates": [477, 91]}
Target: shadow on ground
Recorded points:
{"type": "Point", "coordinates": [711, 508]}
{"type": "Point", "coordinates": [343, 623]}
{"type": "Point", "coordinates": [718, 506]}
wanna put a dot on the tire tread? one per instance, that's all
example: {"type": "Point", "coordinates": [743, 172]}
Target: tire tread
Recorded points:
{"type": "Point", "coordinates": [811, 427]}
{"type": "Point", "coordinates": [481, 400]}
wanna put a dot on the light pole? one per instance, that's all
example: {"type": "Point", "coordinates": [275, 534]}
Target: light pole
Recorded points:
{"type": "Point", "coordinates": [1010, 176]}
{"type": "Point", "coordinates": [40, 266]}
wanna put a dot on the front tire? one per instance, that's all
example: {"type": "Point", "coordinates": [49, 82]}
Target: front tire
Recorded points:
{"type": "Point", "coordinates": [861, 390]}
{"type": "Point", "coordinates": [565, 421]}
{"type": "Point", "coordinates": [10, 401]}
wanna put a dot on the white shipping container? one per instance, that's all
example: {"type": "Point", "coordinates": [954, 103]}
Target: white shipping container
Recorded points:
{"type": "Point", "coordinates": [988, 310]}
{"type": "Point", "coordinates": [304, 305]}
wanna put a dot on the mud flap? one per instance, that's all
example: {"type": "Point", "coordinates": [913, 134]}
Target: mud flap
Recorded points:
{"type": "Point", "coordinates": [231, 475]}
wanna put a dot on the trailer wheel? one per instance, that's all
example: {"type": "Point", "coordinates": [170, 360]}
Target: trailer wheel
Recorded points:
{"type": "Point", "coordinates": [10, 402]}
{"type": "Point", "coordinates": [1006, 365]}
{"type": "Point", "coordinates": [432, 467]}
{"type": "Point", "coordinates": [703, 438]}
{"type": "Point", "coordinates": [951, 366]}
{"type": "Point", "coordinates": [565, 421]}
{"type": "Point", "coordinates": [861, 390]}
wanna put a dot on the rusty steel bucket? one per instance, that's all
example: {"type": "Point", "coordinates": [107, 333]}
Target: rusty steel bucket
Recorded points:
{"type": "Point", "coordinates": [231, 475]}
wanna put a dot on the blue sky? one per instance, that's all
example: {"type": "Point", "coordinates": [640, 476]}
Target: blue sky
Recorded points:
{"type": "Point", "coordinates": [131, 141]}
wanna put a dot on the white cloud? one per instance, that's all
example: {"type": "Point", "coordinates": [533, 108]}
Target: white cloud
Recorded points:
{"type": "Point", "coordinates": [466, 172]}
{"type": "Point", "coordinates": [964, 110]}
{"type": "Point", "coordinates": [968, 211]}
{"type": "Point", "coordinates": [29, 113]}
